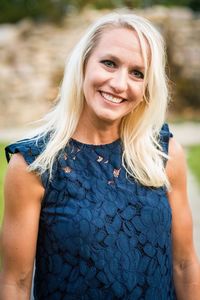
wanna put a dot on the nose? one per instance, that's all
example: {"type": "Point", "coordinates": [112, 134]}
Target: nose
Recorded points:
{"type": "Point", "coordinates": [119, 81]}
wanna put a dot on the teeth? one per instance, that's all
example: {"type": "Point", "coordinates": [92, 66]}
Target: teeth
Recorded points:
{"type": "Point", "coordinates": [111, 98]}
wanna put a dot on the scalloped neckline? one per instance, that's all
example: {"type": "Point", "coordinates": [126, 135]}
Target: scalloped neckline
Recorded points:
{"type": "Point", "coordinates": [78, 143]}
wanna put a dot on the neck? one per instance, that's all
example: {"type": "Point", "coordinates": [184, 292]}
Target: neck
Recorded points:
{"type": "Point", "coordinates": [96, 132]}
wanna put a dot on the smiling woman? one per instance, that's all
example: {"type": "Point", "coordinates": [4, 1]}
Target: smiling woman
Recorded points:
{"type": "Point", "coordinates": [93, 194]}
{"type": "Point", "coordinates": [113, 85]}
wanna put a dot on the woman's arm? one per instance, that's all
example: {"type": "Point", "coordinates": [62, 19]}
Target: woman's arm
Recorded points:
{"type": "Point", "coordinates": [23, 195]}
{"type": "Point", "coordinates": [185, 263]}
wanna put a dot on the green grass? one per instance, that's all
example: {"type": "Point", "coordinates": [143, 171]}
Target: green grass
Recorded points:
{"type": "Point", "coordinates": [3, 165]}
{"type": "Point", "coordinates": [194, 160]}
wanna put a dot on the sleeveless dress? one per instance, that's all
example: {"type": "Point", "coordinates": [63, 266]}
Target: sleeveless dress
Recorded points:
{"type": "Point", "coordinates": [102, 235]}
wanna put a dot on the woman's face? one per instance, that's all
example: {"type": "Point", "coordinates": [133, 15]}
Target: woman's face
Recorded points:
{"type": "Point", "coordinates": [114, 77]}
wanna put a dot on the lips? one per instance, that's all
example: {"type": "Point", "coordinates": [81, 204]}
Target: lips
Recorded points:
{"type": "Point", "coordinates": [112, 98]}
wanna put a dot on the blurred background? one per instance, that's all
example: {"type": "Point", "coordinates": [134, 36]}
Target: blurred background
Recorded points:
{"type": "Point", "coordinates": [37, 35]}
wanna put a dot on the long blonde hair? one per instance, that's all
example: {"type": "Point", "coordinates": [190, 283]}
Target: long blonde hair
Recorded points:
{"type": "Point", "coordinates": [139, 130]}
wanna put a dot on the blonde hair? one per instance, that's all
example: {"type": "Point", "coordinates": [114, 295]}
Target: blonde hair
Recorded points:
{"type": "Point", "coordinates": [139, 131]}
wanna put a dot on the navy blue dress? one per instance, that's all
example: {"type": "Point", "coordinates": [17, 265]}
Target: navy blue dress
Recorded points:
{"type": "Point", "coordinates": [102, 235]}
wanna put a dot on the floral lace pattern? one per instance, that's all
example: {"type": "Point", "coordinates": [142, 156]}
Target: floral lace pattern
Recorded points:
{"type": "Point", "coordinates": [102, 235]}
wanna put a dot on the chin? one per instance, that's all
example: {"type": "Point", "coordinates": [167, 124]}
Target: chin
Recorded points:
{"type": "Point", "coordinates": [108, 118]}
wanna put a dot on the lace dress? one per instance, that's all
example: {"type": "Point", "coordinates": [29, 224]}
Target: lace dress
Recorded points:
{"type": "Point", "coordinates": [102, 235]}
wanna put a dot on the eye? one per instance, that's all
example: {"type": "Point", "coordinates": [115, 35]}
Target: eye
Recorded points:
{"type": "Point", "coordinates": [138, 74]}
{"type": "Point", "coordinates": [108, 63]}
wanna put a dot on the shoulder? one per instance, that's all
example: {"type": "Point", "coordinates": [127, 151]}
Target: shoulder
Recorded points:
{"type": "Point", "coordinates": [176, 165]}
{"type": "Point", "coordinates": [29, 148]}
{"type": "Point", "coordinates": [18, 177]}
{"type": "Point", "coordinates": [176, 152]}
{"type": "Point", "coordinates": [20, 180]}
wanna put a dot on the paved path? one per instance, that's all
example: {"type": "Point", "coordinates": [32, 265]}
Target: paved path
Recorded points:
{"type": "Point", "coordinates": [194, 198]}
{"type": "Point", "coordinates": [12, 134]}
{"type": "Point", "coordinates": [187, 134]}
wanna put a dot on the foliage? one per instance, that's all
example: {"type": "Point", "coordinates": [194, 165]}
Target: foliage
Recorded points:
{"type": "Point", "coordinates": [14, 10]}
{"type": "Point", "coordinates": [194, 161]}
{"type": "Point", "coordinates": [194, 4]}
{"type": "Point", "coordinates": [54, 10]}
{"type": "Point", "coordinates": [111, 4]}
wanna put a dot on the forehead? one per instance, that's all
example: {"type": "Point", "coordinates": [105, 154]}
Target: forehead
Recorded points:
{"type": "Point", "coordinates": [119, 41]}
{"type": "Point", "coordinates": [118, 36]}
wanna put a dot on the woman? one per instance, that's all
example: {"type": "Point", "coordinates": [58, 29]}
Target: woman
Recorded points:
{"type": "Point", "coordinates": [101, 205]}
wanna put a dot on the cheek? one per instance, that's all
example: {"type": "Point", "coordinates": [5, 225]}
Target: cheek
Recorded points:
{"type": "Point", "coordinates": [87, 85]}
{"type": "Point", "coordinates": [138, 91]}
{"type": "Point", "coordinates": [90, 81]}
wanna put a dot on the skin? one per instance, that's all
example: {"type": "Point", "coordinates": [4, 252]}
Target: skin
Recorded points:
{"type": "Point", "coordinates": [22, 206]}
{"type": "Point", "coordinates": [19, 230]}
{"type": "Point", "coordinates": [113, 69]}
{"type": "Point", "coordinates": [185, 261]}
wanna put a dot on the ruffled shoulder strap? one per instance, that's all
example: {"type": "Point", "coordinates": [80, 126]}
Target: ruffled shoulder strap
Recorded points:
{"type": "Point", "coordinates": [165, 135]}
{"type": "Point", "coordinates": [30, 149]}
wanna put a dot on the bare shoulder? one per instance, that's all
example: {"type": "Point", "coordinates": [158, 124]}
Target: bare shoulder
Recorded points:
{"type": "Point", "coordinates": [176, 164]}
{"type": "Point", "coordinates": [18, 165]}
{"type": "Point", "coordinates": [18, 177]}
{"type": "Point", "coordinates": [176, 170]}
{"type": "Point", "coordinates": [23, 189]}
{"type": "Point", "coordinates": [175, 147]}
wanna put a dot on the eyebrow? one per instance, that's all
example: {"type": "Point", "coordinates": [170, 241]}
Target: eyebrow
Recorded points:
{"type": "Point", "coordinates": [116, 59]}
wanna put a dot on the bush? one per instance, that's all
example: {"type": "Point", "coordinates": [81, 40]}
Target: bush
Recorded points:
{"type": "Point", "coordinates": [54, 10]}
{"type": "Point", "coordinates": [14, 10]}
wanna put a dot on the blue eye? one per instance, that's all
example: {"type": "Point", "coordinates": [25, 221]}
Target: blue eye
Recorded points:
{"type": "Point", "coordinates": [108, 63]}
{"type": "Point", "coordinates": [138, 74]}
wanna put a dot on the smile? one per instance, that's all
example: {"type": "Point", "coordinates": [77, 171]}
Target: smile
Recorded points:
{"type": "Point", "coordinates": [111, 98]}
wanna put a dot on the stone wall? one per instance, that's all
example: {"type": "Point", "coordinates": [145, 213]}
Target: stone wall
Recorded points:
{"type": "Point", "coordinates": [32, 58]}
